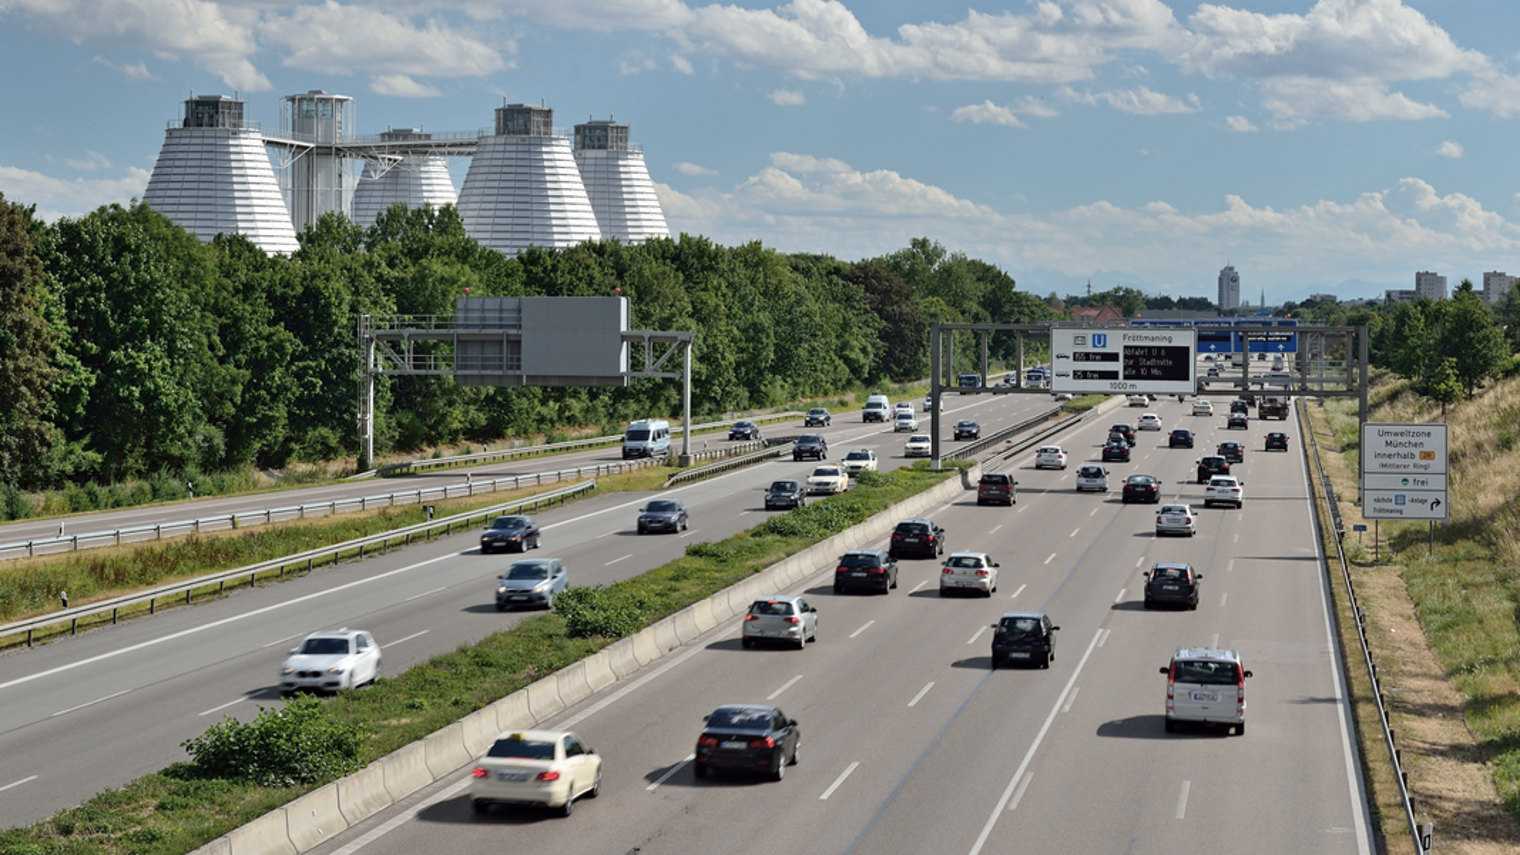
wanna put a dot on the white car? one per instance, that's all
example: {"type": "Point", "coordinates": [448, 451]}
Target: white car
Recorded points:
{"type": "Point", "coordinates": [331, 661]}
{"type": "Point", "coordinates": [905, 420]}
{"type": "Point", "coordinates": [968, 571]}
{"type": "Point", "coordinates": [859, 460]}
{"type": "Point", "coordinates": [1176, 519]}
{"type": "Point", "coordinates": [1092, 477]}
{"type": "Point", "coordinates": [900, 406]}
{"type": "Point", "coordinates": [550, 768]}
{"type": "Point", "coordinates": [919, 445]}
{"type": "Point", "coordinates": [1203, 408]}
{"type": "Point", "coordinates": [828, 480]}
{"type": "Point", "coordinates": [1062, 396]}
{"type": "Point", "coordinates": [1223, 490]}
{"type": "Point", "coordinates": [1149, 421]}
{"type": "Point", "coordinates": [929, 403]}
{"type": "Point", "coordinates": [1050, 457]}
{"type": "Point", "coordinates": [1138, 400]}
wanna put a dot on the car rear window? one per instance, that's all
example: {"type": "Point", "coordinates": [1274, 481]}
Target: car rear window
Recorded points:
{"type": "Point", "coordinates": [771, 607]}
{"type": "Point", "coordinates": [912, 528]}
{"type": "Point", "coordinates": [964, 562]}
{"type": "Point", "coordinates": [1091, 472]}
{"type": "Point", "coordinates": [1205, 672]}
{"type": "Point", "coordinates": [742, 719]}
{"type": "Point", "coordinates": [522, 749]}
{"type": "Point", "coordinates": [996, 480]}
{"type": "Point", "coordinates": [1016, 627]}
{"type": "Point", "coordinates": [857, 560]}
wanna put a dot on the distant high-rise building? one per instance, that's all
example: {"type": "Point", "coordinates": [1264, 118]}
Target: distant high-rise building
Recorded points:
{"type": "Point", "coordinates": [1229, 289]}
{"type": "Point", "coordinates": [617, 183]}
{"type": "Point", "coordinates": [214, 177]}
{"type": "Point", "coordinates": [1431, 286]}
{"type": "Point", "coordinates": [412, 179]}
{"type": "Point", "coordinates": [1496, 286]}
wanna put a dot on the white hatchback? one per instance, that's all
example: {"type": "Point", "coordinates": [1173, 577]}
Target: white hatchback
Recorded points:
{"type": "Point", "coordinates": [1224, 490]}
{"type": "Point", "coordinates": [331, 661]}
{"type": "Point", "coordinates": [1149, 421]}
{"type": "Point", "coordinates": [905, 420]}
{"type": "Point", "coordinates": [1203, 408]}
{"type": "Point", "coordinates": [1050, 457]}
{"type": "Point", "coordinates": [968, 571]}
{"type": "Point", "coordinates": [1092, 477]}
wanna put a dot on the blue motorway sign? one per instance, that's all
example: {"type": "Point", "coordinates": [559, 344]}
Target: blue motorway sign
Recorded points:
{"type": "Point", "coordinates": [1216, 335]}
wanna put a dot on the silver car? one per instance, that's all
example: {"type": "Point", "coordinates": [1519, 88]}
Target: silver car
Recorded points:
{"type": "Point", "coordinates": [780, 618]}
{"type": "Point", "coordinates": [974, 572]}
{"type": "Point", "coordinates": [531, 584]}
{"type": "Point", "coordinates": [1176, 519]}
{"type": "Point", "coordinates": [1092, 477]}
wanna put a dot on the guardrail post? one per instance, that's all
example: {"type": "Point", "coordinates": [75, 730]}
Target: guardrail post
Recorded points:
{"type": "Point", "coordinates": [74, 543]}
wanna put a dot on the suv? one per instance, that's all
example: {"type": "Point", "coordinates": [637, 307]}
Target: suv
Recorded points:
{"type": "Point", "coordinates": [1277, 441]}
{"type": "Point", "coordinates": [1180, 438]}
{"type": "Point", "coordinates": [810, 446]}
{"type": "Point", "coordinates": [1232, 451]}
{"type": "Point", "coordinates": [1206, 685]}
{"type": "Point", "coordinates": [785, 494]}
{"type": "Point", "coordinates": [1172, 582]}
{"type": "Point", "coordinates": [874, 569]}
{"type": "Point", "coordinates": [1024, 637]}
{"type": "Point", "coordinates": [817, 417]}
{"type": "Point", "coordinates": [1210, 465]}
{"type": "Point", "coordinates": [1115, 451]}
{"type": "Point", "coordinates": [918, 537]}
{"type": "Point", "coordinates": [996, 487]}
{"type": "Point", "coordinates": [1127, 430]}
{"type": "Point", "coordinates": [780, 617]}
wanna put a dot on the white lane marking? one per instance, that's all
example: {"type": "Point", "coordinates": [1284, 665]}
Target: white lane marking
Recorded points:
{"type": "Point", "coordinates": [921, 692]}
{"type": "Point", "coordinates": [1074, 531]}
{"type": "Point", "coordinates": [1019, 793]}
{"type": "Point", "coordinates": [407, 638]}
{"type": "Point", "coordinates": [1023, 509]}
{"type": "Point", "coordinates": [1237, 537]}
{"type": "Point", "coordinates": [979, 631]}
{"type": "Point", "coordinates": [174, 636]}
{"type": "Point", "coordinates": [1182, 799]}
{"type": "Point", "coordinates": [689, 532]}
{"type": "Point", "coordinates": [1122, 591]}
{"type": "Point", "coordinates": [1103, 637]}
{"type": "Point", "coordinates": [616, 560]}
{"type": "Point", "coordinates": [280, 640]}
{"type": "Point", "coordinates": [669, 772]}
{"type": "Point", "coordinates": [1222, 598]}
{"type": "Point", "coordinates": [1140, 561]}
{"type": "Point", "coordinates": [92, 703]}
{"type": "Point", "coordinates": [1066, 707]}
{"type": "Point", "coordinates": [1231, 566]}
{"type": "Point", "coordinates": [222, 707]}
{"type": "Point", "coordinates": [1019, 591]}
{"type": "Point", "coordinates": [1051, 558]}
{"type": "Point", "coordinates": [862, 629]}
{"type": "Point", "coordinates": [606, 534]}
{"type": "Point", "coordinates": [28, 779]}
{"type": "Point", "coordinates": [840, 780]}
{"type": "Point", "coordinates": [1018, 774]}
{"type": "Point", "coordinates": [995, 528]}
{"type": "Point", "coordinates": [789, 683]}
{"type": "Point", "coordinates": [919, 585]}
{"type": "Point", "coordinates": [1095, 510]}
{"type": "Point", "coordinates": [424, 594]}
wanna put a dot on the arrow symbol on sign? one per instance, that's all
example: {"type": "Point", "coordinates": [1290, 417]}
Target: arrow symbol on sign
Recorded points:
{"type": "Point", "coordinates": [1435, 503]}
{"type": "Point", "coordinates": [1213, 347]}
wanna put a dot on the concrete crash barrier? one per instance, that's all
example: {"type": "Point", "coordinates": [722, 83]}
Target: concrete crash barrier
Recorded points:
{"type": "Point", "coordinates": [599, 673]}
{"type": "Point", "coordinates": [219, 846]}
{"type": "Point", "coordinates": [406, 771]}
{"type": "Point", "coordinates": [444, 750]}
{"type": "Point", "coordinates": [685, 624]}
{"type": "Point", "coordinates": [512, 713]}
{"type": "Point", "coordinates": [478, 730]}
{"type": "Point", "coordinates": [362, 794]}
{"type": "Point", "coordinates": [573, 685]}
{"type": "Point", "coordinates": [267, 835]}
{"type": "Point", "coordinates": [665, 636]}
{"type": "Point", "coordinates": [620, 655]}
{"type": "Point", "coordinates": [543, 698]}
{"type": "Point", "coordinates": [644, 647]}
{"type": "Point", "coordinates": [315, 818]}
{"type": "Point", "coordinates": [702, 611]}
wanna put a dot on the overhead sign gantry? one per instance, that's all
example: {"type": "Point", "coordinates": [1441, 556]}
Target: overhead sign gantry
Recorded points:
{"type": "Point", "coordinates": [1117, 360]}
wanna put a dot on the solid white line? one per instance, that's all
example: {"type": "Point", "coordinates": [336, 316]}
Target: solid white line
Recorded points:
{"type": "Point", "coordinates": [669, 772]}
{"type": "Point", "coordinates": [862, 629]}
{"type": "Point", "coordinates": [92, 703]}
{"type": "Point", "coordinates": [605, 534]}
{"type": "Point", "coordinates": [1051, 558]}
{"type": "Point", "coordinates": [921, 692]}
{"type": "Point", "coordinates": [616, 560]}
{"type": "Point", "coordinates": [1018, 774]}
{"type": "Point", "coordinates": [979, 631]}
{"type": "Point", "coordinates": [407, 638]}
{"type": "Point", "coordinates": [1121, 594]}
{"type": "Point", "coordinates": [789, 683]}
{"type": "Point", "coordinates": [1019, 793]}
{"type": "Point", "coordinates": [1019, 591]}
{"type": "Point", "coordinates": [26, 780]}
{"type": "Point", "coordinates": [1182, 799]}
{"type": "Point", "coordinates": [689, 532]}
{"type": "Point", "coordinates": [222, 707]}
{"type": "Point", "coordinates": [424, 594]}
{"type": "Point", "coordinates": [1066, 707]}
{"type": "Point", "coordinates": [840, 780]}
{"type": "Point", "coordinates": [919, 585]}
{"type": "Point", "coordinates": [279, 640]}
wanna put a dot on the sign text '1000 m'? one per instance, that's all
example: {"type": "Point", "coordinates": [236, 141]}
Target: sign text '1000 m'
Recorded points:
{"type": "Point", "coordinates": [1157, 362]}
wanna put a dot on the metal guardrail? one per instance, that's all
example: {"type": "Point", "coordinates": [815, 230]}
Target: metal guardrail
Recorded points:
{"type": "Point", "coordinates": [222, 522]}
{"type": "Point", "coordinates": [1420, 836]}
{"type": "Point", "coordinates": [305, 560]}
{"type": "Point", "coordinates": [771, 450]}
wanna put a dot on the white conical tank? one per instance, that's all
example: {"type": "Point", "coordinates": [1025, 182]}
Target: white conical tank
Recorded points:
{"type": "Point", "coordinates": [413, 179]}
{"type": "Point", "coordinates": [213, 177]}
{"type": "Point", "coordinates": [523, 187]}
{"type": "Point", "coordinates": [617, 183]}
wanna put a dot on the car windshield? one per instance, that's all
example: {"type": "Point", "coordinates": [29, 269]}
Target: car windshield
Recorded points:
{"type": "Point", "coordinates": [964, 562]}
{"type": "Point", "coordinates": [1208, 673]}
{"type": "Point", "coordinates": [965, 424]}
{"type": "Point", "coordinates": [663, 507]}
{"type": "Point", "coordinates": [784, 487]}
{"type": "Point", "coordinates": [919, 437]}
{"type": "Point", "coordinates": [509, 522]}
{"type": "Point", "coordinates": [818, 411]}
{"type": "Point", "coordinates": [742, 425]}
{"type": "Point", "coordinates": [743, 719]}
{"type": "Point", "coordinates": [522, 749]}
{"type": "Point", "coordinates": [858, 455]}
{"type": "Point", "coordinates": [524, 570]}
{"type": "Point", "coordinates": [904, 415]}
{"type": "Point", "coordinates": [324, 646]}
{"type": "Point", "coordinates": [810, 439]}
{"type": "Point", "coordinates": [771, 607]}
{"type": "Point", "coordinates": [638, 434]}
{"type": "Point", "coordinates": [826, 472]}
{"type": "Point", "coordinates": [1019, 627]}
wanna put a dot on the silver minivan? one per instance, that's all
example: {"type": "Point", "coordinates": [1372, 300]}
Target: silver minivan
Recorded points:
{"type": "Point", "coordinates": [1206, 685]}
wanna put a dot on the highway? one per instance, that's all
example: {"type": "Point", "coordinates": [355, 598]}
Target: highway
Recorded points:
{"type": "Point", "coordinates": [98, 710]}
{"type": "Point", "coordinates": [911, 744]}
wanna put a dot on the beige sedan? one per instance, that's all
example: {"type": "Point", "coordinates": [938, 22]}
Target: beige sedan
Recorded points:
{"type": "Point", "coordinates": [547, 768]}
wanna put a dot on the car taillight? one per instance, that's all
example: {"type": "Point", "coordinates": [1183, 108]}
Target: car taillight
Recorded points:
{"type": "Point", "coordinates": [1158, 519]}
{"type": "Point", "coordinates": [981, 572]}
{"type": "Point", "coordinates": [896, 536]}
{"type": "Point", "coordinates": [480, 773]}
{"type": "Point", "coordinates": [548, 776]}
{"type": "Point", "coordinates": [767, 742]}
{"type": "Point", "coordinates": [794, 620]}
{"type": "Point", "coordinates": [947, 571]}
{"type": "Point", "coordinates": [707, 741]}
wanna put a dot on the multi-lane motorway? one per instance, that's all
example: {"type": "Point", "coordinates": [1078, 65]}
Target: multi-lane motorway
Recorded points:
{"type": "Point", "coordinates": [911, 744]}
{"type": "Point", "coordinates": [96, 711]}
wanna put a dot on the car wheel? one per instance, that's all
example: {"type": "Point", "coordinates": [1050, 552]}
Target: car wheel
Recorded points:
{"type": "Point", "coordinates": [838, 589]}
{"type": "Point", "coordinates": [569, 806]}
{"type": "Point", "coordinates": [778, 768]}
{"type": "Point", "coordinates": [796, 751]}
{"type": "Point", "coordinates": [501, 607]}
{"type": "Point", "coordinates": [480, 805]}
{"type": "Point", "coordinates": [1149, 603]}
{"type": "Point", "coordinates": [549, 603]}
{"type": "Point", "coordinates": [699, 769]}
{"type": "Point", "coordinates": [894, 580]}
{"type": "Point", "coordinates": [979, 502]}
{"type": "Point", "coordinates": [1045, 662]}
{"type": "Point", "coordinates": [1171, 726]}
{"type": "Point", "coordinates": [802, 643]}
{"type": "Point", "coordinates": [1240, 729]}
{"type": "Point", "coordinates": [596, 785]}
{"type": "Point", "coordinates": [746, 643]}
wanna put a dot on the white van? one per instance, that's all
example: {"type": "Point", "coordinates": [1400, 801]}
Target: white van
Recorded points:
{"type": "Point", "coordinates": [1206, 685]}
{"type": "Point", "coordinates": [647, 438]}
{"type": "Point", "coordinates": [878, 409]}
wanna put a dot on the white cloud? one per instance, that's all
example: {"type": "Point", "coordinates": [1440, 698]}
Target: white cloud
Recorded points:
{"type": "Point", "coordinates": [1498, 94]}
{"type": "Point", "coordinates": [1140, 101]}
{"type": "Point", "coordinates": [1241, 125]}
{"type": "Point", "coordinates": [337, 39]}
{"type": "Point", "coordinates": [604, 14]}
{"type": "Point", "coordinates": [1297, 98]}
{"type": "Point", "coordinates": [988, 113]}
{"type": "Point", "coordinates": [787, 98]}
{"type": "Point", "coordinates": [693, 169]}
{"type": "Point", "coordinates": [70, 198]}
{"type": "Point", "coordinates": [1450, 149]}
{"type": "Point", "coordinates": [681, 64]}
{"type": "Point", "coordinates": [93, 161]}
{"type": "Point", "coordinates": [402, 86]}
{"type": "Point", "coordinates": [131, 70]}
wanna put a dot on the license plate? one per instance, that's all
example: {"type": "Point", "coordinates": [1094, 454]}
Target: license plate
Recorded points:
{"type": "Point", "coordinates": [859, 573]}
{"type": "Point", "coordinates": [910, 540]}
{"type": "Point", "coordinates": [732, 744]}
{"type": "Point", "coordinates": [960, 584]}
{"type": "Point", "coordinates": [1175, 521]}
{"type": "Point", "coordinates": [1168, 587]}
{"type": "Point", "coordinates": [511, 776]}
{"type": "Point", "coordinates": [1206, 697]}
{"type": "Point", "coordinates": [1018, 655]}
{"type": "Point", "coordinates": [518, 597]}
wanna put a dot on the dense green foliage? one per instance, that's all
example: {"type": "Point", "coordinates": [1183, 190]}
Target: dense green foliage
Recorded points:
{"type": "Point", "coordinates": [293, 744]}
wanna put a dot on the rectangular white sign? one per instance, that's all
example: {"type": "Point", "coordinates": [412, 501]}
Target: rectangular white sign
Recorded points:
{"type": "Point", "coordinates": [1124, 360]}
{"type": "Point", "coordinates": [1379, 481]}
{"type": "Point", "coordinates": [1404, 505]}
{"type": "Point", "coordinates": [1404, 472]}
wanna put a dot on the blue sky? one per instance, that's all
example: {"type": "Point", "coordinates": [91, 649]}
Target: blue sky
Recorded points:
{"type": "Point", "coordinates": [1337, 145]}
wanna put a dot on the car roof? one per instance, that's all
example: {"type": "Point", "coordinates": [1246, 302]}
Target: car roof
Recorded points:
{"type": "Point", "coordinates": [1211, 653]}
{"type": "Point", "coordinates": [777, 598]}
{"type": "Point", "coordinates": [345, 632]}
{"type": "Point", "coordinates": [920, 436]}
{"type": "Point", "coordinates": [746, 707]}
{"type": "Point", "coordinates": [1214, 478]}
{"type": "Point", "coordinates": [899, 522]}
{"type": "Point", "coordinates": [970, 555]}
{"type": "Point", "coordinates": [1187, 507]}
{"type": "Point", "coordinates": [1141, 475]}
{"type": "Point", "coordinates": [1212, 457]}
{"type": "Point", "coordinates": [535, 735]}
{"type": "Point", "coordinates": [1023, 614]}
{"type": "Point", "coordinates": [1176, 565]}
{"type": "Point", "coordinates": [534, 562]}
{"type": "Point", "coordinates": [1044, 448]}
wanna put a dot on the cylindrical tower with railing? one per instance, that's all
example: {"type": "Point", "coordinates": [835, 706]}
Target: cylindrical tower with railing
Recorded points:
{"type": "Point", "coordinates": [317, 177]}
{"type": "Point", "coordinates": [617, 183]}
{"type": "Point", "coordinates": [412, 179]}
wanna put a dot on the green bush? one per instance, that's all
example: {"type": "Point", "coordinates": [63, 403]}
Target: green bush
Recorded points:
{"type": "Point", "coordinates": [591, 612]}
{"type": "Point", "coordinates": [296, 744]}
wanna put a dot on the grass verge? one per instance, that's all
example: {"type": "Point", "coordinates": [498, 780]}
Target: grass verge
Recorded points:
{"type": "Point", "coordinates": [176, 810]}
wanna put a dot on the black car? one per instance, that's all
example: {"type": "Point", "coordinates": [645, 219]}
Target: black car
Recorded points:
{"type": "Point", "coordinates": [810, 446]}
{"type": "Point", "coordinates": [1238, 420]}
{"type": "Point", "coordinates": [1127, 430]}
{"type": "Point", "coordinates": [744, 430]}
{"type": "Point", "coordinates": [1232, 451]}
{"type": "Point", "coordinates": [747, 738]}
{"type": "Point", "coordinates": [1240, 405]}
{"type": "Point", "coordinates": [873, 569]}
{"type": "Point", "coordinates": [1024, 637]}
{"type": "Point", "coordinates": [1141, 488]}
{"type": "Point", "coordinates": [996, 487]}
{"type": "Point", "coordinates": [917, 537]}
{"type": "Point", "coordinates": [1277, 441]}
{"type": "Point", "coordinates": [662, 515]}
{"type": "Point", "coordinates": [967, 429]}
{"type": "Point", "coordinates": [1210, 465]}
{"type": "Point", "coordinates": [1180, 438]}
{"type": "Point", "coordinates": [1116, 451]}
{"type": "Point", "coordinates": [785, 495]}
{"type": "Point", "coordinates": [515, 533]}
{"type": "Point", "coordinates": [1175, 583]}
{"type": "Point", "coordinates": [817, 417]}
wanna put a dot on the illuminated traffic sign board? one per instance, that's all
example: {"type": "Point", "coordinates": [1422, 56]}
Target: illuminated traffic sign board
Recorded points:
{"type": "Point", "coordinates": [1121, 360]}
